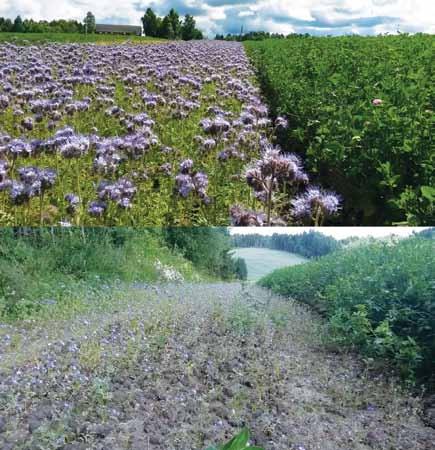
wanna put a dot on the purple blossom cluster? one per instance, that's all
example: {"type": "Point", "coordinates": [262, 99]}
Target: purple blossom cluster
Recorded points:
{"type": "Point", "coordinates": [32, 182]}
{"type": "Point", "coordinates": [187, 182]}
{"type": "Point", "coordinates": [121, 192]}
{"type": "Point", "coordinates": [316, 204]}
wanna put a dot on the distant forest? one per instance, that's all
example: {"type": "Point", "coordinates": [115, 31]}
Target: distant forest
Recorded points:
{"type": "Point", "coordinates": [256, 36]}
{"type": "Point", "coordinates": [40, 26]}
{"type": "Point", "coordinates": [309, 244]}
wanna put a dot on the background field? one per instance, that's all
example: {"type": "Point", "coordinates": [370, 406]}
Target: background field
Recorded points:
{"type": "Point", "coordinates": [262, 261]}
{"type": "Point", "coordinates": [102, 39]}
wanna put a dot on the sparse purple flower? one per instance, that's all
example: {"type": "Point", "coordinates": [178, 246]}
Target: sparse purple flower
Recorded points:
{"type": "Point", "coordinates": [4, 101]}
{"type": "Point", "coordinates": [119, 192]}
{"type": "Point", "coordinates": [75, 146]}
{"type": "Point", "coordinates": [27, 123]}
{"type": "Point", "coordinates": [73, 203]}
{"type": "Point", "coordinates": [4, 166]}
{"type": "Point", "coordinates": [166, 168]}
{"type": "Point", "coordinates": [215, 126]}
{"type": "Point", "coordinates": [19, 147]}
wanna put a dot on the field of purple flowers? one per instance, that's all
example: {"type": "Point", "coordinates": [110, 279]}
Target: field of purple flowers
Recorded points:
{"type": "Point", "coordinates": [167, 134]}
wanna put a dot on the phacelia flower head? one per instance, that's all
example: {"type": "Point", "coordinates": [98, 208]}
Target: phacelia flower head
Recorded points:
{"type": "Point", "coordinates": [184, 184]}
{"type": "Point", "coordinates": [281, 122]}
{"type": "Point", "coordinates": [316, 204]}
{"type": "Point", "coordinates": [186, 166]}
{"type": "Point", "coordinates": [97, 208]}
{"type": "Point", "coordinates": [241, 217]}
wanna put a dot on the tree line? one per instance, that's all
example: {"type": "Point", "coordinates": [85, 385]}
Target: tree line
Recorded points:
{"type": "Point", "coordinates": [310, 244]}
{"type": "Point", "coordinates": [257, 36]}
{"type": "Point", "coordinates": [40, 26]}
{"type": "Point", "coordinates": [171, 26]}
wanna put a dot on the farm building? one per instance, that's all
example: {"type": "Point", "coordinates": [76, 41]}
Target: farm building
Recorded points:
{"type": "Point", "coordinates": [118, 29]}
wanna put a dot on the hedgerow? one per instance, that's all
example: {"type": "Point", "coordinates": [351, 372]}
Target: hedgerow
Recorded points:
{"type": "Point", "coordinates": [378, 297]}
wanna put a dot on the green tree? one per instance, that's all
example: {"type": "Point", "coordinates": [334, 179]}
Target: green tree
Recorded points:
{"type": "Point", "coordinates": [150, 23]}
{"type": "Point", "coordinates": [18, 25]}
{"type": "Point", "coordinates": [166, 29]}
{"type": "Point", "coordinates": [5, 24]}
{"type": "Point", "coordinates": [174, 18]}
{"type": "Point", "coordinates": [188, 28]}
{"type": "Point", "coordinates": [208, 248]}
{"type": "Point", "coordinates": [89, 22]}
{"type": "Point", "coordinates": [240, 269]}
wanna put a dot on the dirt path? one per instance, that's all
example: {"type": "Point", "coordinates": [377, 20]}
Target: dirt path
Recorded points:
{"type": "Point", "coordinates": [184, 366]}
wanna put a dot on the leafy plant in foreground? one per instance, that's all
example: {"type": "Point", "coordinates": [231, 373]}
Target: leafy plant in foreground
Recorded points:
{"type": "Point", "coordinates": [238, 442]}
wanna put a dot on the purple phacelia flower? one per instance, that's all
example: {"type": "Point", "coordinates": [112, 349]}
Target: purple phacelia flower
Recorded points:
{"type": "Point", "coordinates": [186, 166]}
{"type": "Point", "coordinates": [316, 204]}
{"type": "Point", "coordinates": [97, 208]}
{"type": "Point", "coordinates": [184, 184]}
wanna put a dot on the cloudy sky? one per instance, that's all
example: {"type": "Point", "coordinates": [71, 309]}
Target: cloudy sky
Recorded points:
{"type": "Point", "coordinates": [228, 16]}
{"type": "Point", "coordinates": [336, 232]}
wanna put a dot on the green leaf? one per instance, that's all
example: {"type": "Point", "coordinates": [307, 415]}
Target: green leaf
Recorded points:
{"type": "Point", "coordinates": [238, 442]}
{"type": "Point", "coordinates": [428, 192]}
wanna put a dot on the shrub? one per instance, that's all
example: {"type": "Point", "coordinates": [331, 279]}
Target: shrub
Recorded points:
{"type": "Point", "coordinates": [379, 297]}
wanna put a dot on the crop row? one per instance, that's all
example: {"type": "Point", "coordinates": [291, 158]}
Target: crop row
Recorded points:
{"type": "Point", "coordinates": [377, 297]}
{"type": "Point", "coordinates": [361, 112]}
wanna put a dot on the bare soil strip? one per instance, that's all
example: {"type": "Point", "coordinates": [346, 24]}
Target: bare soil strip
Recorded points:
{"type": "Point", "coordinates": [185, 366]}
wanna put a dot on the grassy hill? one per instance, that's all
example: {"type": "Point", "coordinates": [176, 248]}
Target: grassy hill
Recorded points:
{"type": "Point", "coordinates": [262, 261]}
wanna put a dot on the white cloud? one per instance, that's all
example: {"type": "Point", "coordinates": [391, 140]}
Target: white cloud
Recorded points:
{"type": "Point", "coordinates": [285, 16]}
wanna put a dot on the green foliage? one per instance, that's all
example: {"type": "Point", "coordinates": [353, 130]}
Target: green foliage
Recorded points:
{"type": "Point", "coordinates": [189, 30]}
{"type": "Point", "coordinates": [6, 25]}
{"type": "Point", "coordinates": [170, 26]}
{"type": "Point", "coordinates": [238, 442]}
{"type": "Point", "coordinates": [150, 23]}
{"type": "Point", "coordinates": [206, 247]}
{"type": "Point", "coordinates": [380, 158]}
{"type": "Point", "coordinates": [18, 25]}
{"type": "Point", "coordinates": [89, 22]}
{"type": "Point", "coordinates": [309, 244]}
{"type": "Point", "coordinates": [41, 26]}
{"type": "Point", "coordinates": [251, 36]}
{"type": "Point", "coordinates": [241, 269]}
{"type": "Point", "coordinates": [378, 297]}
{"type": "Point", "coordinates": [39, 267]}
